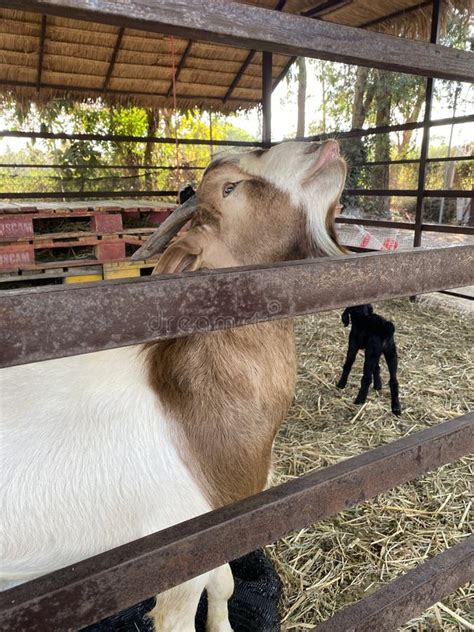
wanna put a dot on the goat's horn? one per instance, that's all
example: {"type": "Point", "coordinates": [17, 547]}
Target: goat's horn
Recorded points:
{"type": "Point", "coordinates": [158, 241]}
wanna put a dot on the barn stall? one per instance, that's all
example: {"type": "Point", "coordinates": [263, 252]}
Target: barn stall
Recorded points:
{"type": "Point", "coordinates": [293, 615]}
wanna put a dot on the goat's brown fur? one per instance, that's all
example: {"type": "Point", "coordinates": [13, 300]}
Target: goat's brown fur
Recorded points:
{"type": "Point", "coordinates": [228, 391]}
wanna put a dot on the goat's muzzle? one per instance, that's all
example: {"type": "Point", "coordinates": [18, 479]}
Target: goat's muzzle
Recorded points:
{"type": "Point", "coordinates": [158, 241]}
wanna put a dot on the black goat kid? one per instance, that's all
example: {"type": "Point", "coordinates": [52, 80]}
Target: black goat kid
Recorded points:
{"type": "Point", "coordinates": [375, 335]}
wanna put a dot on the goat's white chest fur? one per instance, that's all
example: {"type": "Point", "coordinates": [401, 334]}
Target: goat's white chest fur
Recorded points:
{"type": "Point", "coordinates": [88, 462]}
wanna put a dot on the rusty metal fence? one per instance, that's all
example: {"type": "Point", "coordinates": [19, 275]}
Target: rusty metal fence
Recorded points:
{"type": "Point", "coordinates": [179, 305]}
{"type": "Point", "coordinates": [90, 318]}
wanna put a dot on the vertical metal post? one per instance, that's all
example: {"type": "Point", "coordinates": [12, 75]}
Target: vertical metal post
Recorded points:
{"type": "Point", "coordinates": [267, 98]}
{"type": "Point", "coordinates": [435, 20]}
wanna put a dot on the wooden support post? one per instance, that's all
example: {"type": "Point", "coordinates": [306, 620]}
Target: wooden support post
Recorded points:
{"type": "Point", "coordinates": [425, 143]}
{"type": "Point", "coordinates": [267, 98]}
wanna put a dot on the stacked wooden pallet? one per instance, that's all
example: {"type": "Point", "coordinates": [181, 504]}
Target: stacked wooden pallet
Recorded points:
{"type": "Point", "coordinates": [74, 242]}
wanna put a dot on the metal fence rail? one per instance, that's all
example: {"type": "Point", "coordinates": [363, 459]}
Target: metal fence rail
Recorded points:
{"type": "Point", "coordinates": [119, 313]}
{"type": "Point", "coordinates": [409, 595]}
{"type": "Point", "coordinates": [102, 585]}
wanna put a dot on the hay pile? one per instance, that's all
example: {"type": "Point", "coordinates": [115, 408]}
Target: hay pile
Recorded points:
{"type": "Point", "coordinates": [340, 561]}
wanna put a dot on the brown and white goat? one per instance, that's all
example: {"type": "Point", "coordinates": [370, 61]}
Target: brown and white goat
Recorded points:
{"type": "Point", "coordinates": [104, 448]}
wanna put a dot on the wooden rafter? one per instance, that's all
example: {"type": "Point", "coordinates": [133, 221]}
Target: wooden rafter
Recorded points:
{"type": "Point", "coordinates": [179, 67]}
{"type": "Point", "coordinates": [321, 9]}
{"type": "Point", "coordinates": [41, 52]}
{"type": "Point", "coordinates": [329, 5]}
{"type": "Point", "coordinates": [284, 72]}
{"type": "Point", "coordinates": [113, 59]}
{"type": "Point", "coordinates": [324, 7]}
{"type": "Point", "coordinates": [280, 5]}
{"type": "Point", "coordinates": [397, 14]}
{"type": "Point", "coordinates": [242, 69]}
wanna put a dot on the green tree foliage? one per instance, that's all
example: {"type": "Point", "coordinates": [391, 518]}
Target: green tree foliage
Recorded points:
{"type": "Point", "coordinates": [80, 159]}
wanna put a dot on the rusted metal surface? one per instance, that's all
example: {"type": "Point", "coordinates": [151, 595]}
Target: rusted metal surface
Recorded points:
{"type": "Point", "coordinates": [114, 314]}
{"type": "Point", "coordinates": [388, 129]}
{"type": "Point", "coordinates": [409, 595]}
{"type": "Point", "coordinates": [127, 138]}
{"type": "Point", "coordinates": [436, 193]}
{"type": "Point", "coordinates": [82, 195]}
{"type": "Point", "coordinates": [263, 29]}
{"type": "Point", "coordinates": [90, 590]}
{"type": "Point", "coordinates": [381, 223]}
{"type": "Point", "coordinates": [122, 138]}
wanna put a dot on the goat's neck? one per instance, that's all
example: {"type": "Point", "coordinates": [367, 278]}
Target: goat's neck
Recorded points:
{"type": "Point", "coordinates": [227, 393]}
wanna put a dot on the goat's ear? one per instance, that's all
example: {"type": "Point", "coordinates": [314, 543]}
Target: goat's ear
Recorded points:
{"type": "Point", "coordinates": [179, 257]}
{"type": "Point", "coordinates": [345, 317]}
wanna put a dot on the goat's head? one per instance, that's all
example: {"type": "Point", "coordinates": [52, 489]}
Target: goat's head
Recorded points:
{"type": "Point", "coordinates": [257, 207]}
{"type": "Point", "coordinates": [357, 312]}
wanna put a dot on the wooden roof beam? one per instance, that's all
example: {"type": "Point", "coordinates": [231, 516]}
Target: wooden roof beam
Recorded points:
{"type": "Point", "coordinates": [113, 59]}
{"type": "Point", "coordinates": [41, 52]}
{"type": "Point", "coordinates": [252, 27]}
{"type": "Point", "coordinates": [280, 5]}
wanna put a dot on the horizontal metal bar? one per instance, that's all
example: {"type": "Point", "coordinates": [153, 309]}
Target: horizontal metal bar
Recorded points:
{"type": "Point", "coordinates": [100, 586]}
{"type": "Point", "coordinates": [125, 312]}
{"type": "Point", "coordinates": [409, 595]}
{"type": "Point", "coordinates": [125, 138]}
{"type": "Point", "coordinates": [468, 297]}
{"type": "Point", "coordinates": [373, 163]}
{"type": "Point", "coordinates": [354, 133]}
{"type": "Point", "coordinates": [262, 29]}
{"type": "Point", "coordinates": [408, 161]}
{"type": "Point", "coordinates": [72, 195]}
{"type": "Point", "coordinates": [387, 129]}
{"type": "Point", "coordinates": [15, 195]}
{"type": "Point", "coordinates": [382, 223]}
{"type": "Point", "coordinates": [438, 193]}
{"type": "Point", "coordinates": [23, 165]}
{"type": "Point", "coordinates": [447, 228]}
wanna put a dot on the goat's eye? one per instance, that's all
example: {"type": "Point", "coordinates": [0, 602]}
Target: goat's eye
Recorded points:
{"type": "Point", "coordinates": [228, 188]}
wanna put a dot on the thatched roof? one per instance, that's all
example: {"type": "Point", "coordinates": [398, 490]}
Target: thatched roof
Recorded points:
{"type": "Point", "coordinates": [42, 58]}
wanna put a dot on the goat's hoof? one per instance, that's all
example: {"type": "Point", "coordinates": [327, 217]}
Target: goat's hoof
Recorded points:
{"type": "Point", "coordinates": [378, 386]}
{"type": "Point", "coordinates": [360, 400]}
{"type": "Point", "coordinates": [396, 410]}
{"type": "Point", "coordinates": [341, 385]}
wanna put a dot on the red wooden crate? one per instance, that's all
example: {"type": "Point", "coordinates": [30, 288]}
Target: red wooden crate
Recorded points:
{"type": "Point", "coordinates": [110, 250]}
{"type": "Point", "coordinates": [15, 226]}
{"type": "Point", "coordinates": [106, 222]}
{"type": "Point", "coordinates": [15, 255]}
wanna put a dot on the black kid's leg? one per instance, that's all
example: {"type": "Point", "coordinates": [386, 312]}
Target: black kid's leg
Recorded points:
{"type": "Point", "coordinates": [377, 378]}
{"type": "Point", "coordinates": [346, 369]}
{"type": "Point", "coordinates": [392, 362]}
{"type": "Point", "coordinates": [372, 356]}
